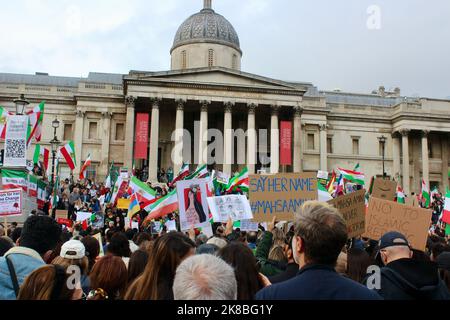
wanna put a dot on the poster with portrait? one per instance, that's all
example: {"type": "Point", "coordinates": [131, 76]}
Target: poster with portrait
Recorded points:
{"type": "Point", "coordinates": [193, 203]}
{"type": "Point", "coordinates": [235, 207]}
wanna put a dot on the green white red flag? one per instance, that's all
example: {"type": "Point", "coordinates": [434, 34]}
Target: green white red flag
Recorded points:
{"type": "Point", "coordinates": [32, 186]}
{"type": "Point", "coordinates": [35, 119]}
{"type": "Point", "coordinates": [446, 212]}
{"type": "Point", "coordinates": [163, 206]}
{"type": "Point", "coordinates": [41, 154]}
{"type": "Point", "coordinates": [86, 165]}
{"type": "Point", "coordinates": [201, 172]}
{"type": "Point", "coordinates": [184, 172]}
{"type": "Point", "coordinates": [14, 179]}
{"type": "Point", "coordinates": [400, 195]}
{"type": "Point", "coordinates": [323, 194]}
{"type": "Point", "coordinates": [426, 200]}
{"type": "Point", "coordinates": [353, 176]}
{"type": "Point", "coordinates": [68, 152]}
{"type": "Point", "coordinates": [143, 192]}
{"type": "Point", "coordinates": [3, 119]}
{"type": "Point", "coordinates": [240, 181]}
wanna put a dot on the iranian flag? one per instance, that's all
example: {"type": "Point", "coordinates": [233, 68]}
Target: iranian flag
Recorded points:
{"type": "Point", "coordinates": [86, 165]}
{"type": "Point", "coordinates": [426, 200]}
{"type": "Point", "coordinates": [3, 118]}
{"type": "Point", "coordinates": [240, 181]}
{"type": "Point", "coordinates": [184, 172]}
{"type": "Point", "coordinates": [41, 194]}
{"type": "Point", "coordinates": [163, 206]}
{"type": "Point", "coordinates": [324, 195]}
{"type": "Point", "coordinates": [143, 192]}
{"type": "Point", "coordinates": [201, 172]}
{"type": "Point", "coordinates": [35, 118]}
{"type": "Point", "coordinates": [446, 212]}
{"type": "Point", "coordinates": [353, 176]}
{"type": "Point", "coordinates": [14, 179]}
{"type": "Point", "coordinates": [39, 152]}
{"type": "Point", "coordinates": [400, 195]}
{"type": "Point", "coordinates": [32, 186]}
{"type": "Point", "coordinates": [68, 152]}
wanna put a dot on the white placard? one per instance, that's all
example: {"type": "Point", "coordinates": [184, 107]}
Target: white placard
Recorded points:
{"type": "Point", "coordinates": [171, 225]}
{"type": "Point", "coordinates": [83, 216]}
{"type": "Point", "coordinates": [222, 178]}
{"type": "Point", "coordinates": [249, 225]}
{"type": "Point", "coordinates": [11, 203]}
{"type": "Point", "coordinates": [208, 231]}
{"type": "Point", "coordinates": [134, 225]}
{"type": "Point", "coordinates": [193, 203]}
{"type": "Point", "coordinates": [322, 175]}
{"type": "Point", "coordinates": [16, 142]}
{"type": "Point", "coordinates": [236, 207]}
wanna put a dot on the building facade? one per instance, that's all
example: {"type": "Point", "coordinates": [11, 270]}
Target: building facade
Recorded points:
{"type": "Point", "coordinates": [206, 89]}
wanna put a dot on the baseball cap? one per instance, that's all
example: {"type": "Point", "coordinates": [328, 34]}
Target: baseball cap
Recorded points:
{"type": "Point", "coordinates": [393, 239]}
{"type": "Point", "coordinates": [73, 250]}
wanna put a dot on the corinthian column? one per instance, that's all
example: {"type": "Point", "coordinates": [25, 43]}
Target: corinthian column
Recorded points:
{"type": "Point", "coordinates": [129, 132]}
{"type": "Point", "coordinates": [396, 154]}
{"type": "Point", "coordinates": [179, 130]}
{"type": "Point", "coordinates": [406, 173]}
{"type": "Point", "coordinates": [203, 136]}
{"type": "Point", "coordinates": [298, 139]}
{"type": "Point", "coordinates": [275, 141]}
{"type": "Point", "coordinates": [106, 139]}
{"type": "Point", "coordinates": [251, 140]}
{"type": "Point", "coordinates": [154, 143]}
{"type": "Point", "coordinates": [425, 160]}
{"type": "Point", "coordinates": [323, 148]}
{"type": "Point", "coordinates": [78, 140]}
{"type": "Point", "coordinates": [228, 138]}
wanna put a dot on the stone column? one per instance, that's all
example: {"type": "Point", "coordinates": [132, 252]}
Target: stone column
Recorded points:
{"type": "Point", "coordinates": [251, 140]}
{"type": "Point", "coordinates": [396, 155]}
{"type": "Point", "coordinates": [106, 139]}
{"type": "Point", "coordinates": [154, 142]}
{"type": "Point", "coordinates": [406, 167]}
{"type": "Point", "coordinates": [203, 134]}
{"type": "Point", "coordinates": [323, 148]}
{"type": "Point", "coordinates": [275, 141]}
{"type": "Point", "coordinates": [425, 160]}
{"type": "Point", "coordinates": [445, 157]}
{"type": "Point", "coordinates": [78, 141]}
{"type": "Point", "coordinates": [298, 139]}
{"type": "Point", "coordinates": [228, 151]}
{"type": "Point", "coordinates": [177, 155]}
{"type": "Point", "coordinates": [130, 103]}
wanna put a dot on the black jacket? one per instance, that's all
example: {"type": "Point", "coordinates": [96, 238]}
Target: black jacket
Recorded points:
{"type": "Point", "coordinates": [291, 271]}
{"type": "Point", "coordinates": [407, 279]}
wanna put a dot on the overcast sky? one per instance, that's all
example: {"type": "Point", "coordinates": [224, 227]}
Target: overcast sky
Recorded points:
{"type": "Point", "coordinates": [326, 42]}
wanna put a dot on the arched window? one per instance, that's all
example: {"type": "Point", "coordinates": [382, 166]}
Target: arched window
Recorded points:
{"type": "Point", "coordinates": [183, 59]}
{"type": "Point", "coordinates": [234, 62]}
{"type": "Point", "coordinates": [210, 58]}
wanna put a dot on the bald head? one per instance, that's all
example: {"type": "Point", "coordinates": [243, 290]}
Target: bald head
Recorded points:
{"type": "Point", "coordinates": [392, 254]}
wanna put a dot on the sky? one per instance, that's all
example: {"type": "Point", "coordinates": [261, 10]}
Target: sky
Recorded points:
{"type": "Point", "coordinates": [351, 45]}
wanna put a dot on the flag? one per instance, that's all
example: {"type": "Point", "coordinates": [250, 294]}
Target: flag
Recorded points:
{"type": "Point", "coordinates": [184, 172]}
{"type": "Point", "coordinates": [45, 153]}
{"type": "Point", "coordinates": [14, 179]}
{"type": "Point", "coordinates": [86, 165]}
{"type": "Point", "coordinates": [201, 172]}
{"type": "Point", "coordinates": [340, 189]}
{"type": "Point", "coordinates": [324, 196]}
{"type": "Point", "coordinates": [32, 186]}
{"type": "Point", "coordinates": [357, 168]}
{"type": "Point", "coordinates": [68, 152]}
{"type": "Point", "coordinates": [330, 186]}
{"type": "Point", "coordinates": [134, 207]}
{"type": "Point", "coordinates": [240, 181]}
{"type": "Point", "coordinates": [3, 119]}
{"type": "Point", "coordinates": [426, 201]}
{"type": "Point", "coordinates": [434, 192]}
{"type": "Point", "coordinates": [35, 118]}
{"type": "Point", "coordinates": [446, 212]}
{"type": "Point", "coordinates": [353, 176]}
{"type": "Point", "coordinates": [142, 190]}
{"type": "Point", "coordinates": [400, 195]}
{"type": "Point", "coordinates": [119, 185]}
{"type": "Point", "coordinates": [108, 182]}
{"type": "Point", "coordinates": [163, 206]}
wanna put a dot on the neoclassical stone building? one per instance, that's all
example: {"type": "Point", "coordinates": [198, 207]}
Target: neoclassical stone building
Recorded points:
{"type": "Point", "coordinates": [206, 89]}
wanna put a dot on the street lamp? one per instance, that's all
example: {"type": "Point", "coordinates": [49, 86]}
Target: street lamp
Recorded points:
{"type": "Point", "coordinates": [21, 104]}
{"type": "Point", "coordinates": [55, 145]}
{"type": "Point", "coordinates": [383, 140]}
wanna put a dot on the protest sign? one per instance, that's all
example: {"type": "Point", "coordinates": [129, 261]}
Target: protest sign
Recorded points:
{"type": "Point", "coordinates": [83, 216]}
{"type": "Point", "coordinates": [235, 207]}
{"type": "Point", "coordinates": [99, 220]}
{"type": "Point", "coordinates": [98, 236]}
{"type": "Point", "coordinates": [193, 203]}
{"type": "Point", "coordinates": [11, 203]}
{"type": "Point", "coordinates": [16, 142]}
{"type": "Point", "coordinates": [384, 189]}
{"type": "Point", "coordinates": [353, 208]}
{"type": "Point", "coordinates": [134, 225]}
{"type": "Point", "coordinates": [249, 225]}
{"type": "Point", "coordinates": [280, 195]}
{"type": "Point", "coordinates": [222, 178]}
{"type": "Point", "coordinates": [65, 222]}
{"type": "Point", "coordinates": [322, 177]}
{"type": "Point", "coordinates": [123, 204]}
{"type": "Point", "coordinates": [61, 214]}
{"type": "Point", "coordinates": [155, 227]}
{"type": "Point", "coordinates": [171, 225]}
{"type": "Point", "coordinates": [385, 216]}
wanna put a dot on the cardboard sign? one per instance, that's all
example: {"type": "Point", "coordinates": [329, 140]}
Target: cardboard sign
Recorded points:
{"type": "Point", "coordinates": [123, 204]}
{"type": "Point", "coordinates": [61, 214]}
{"type": "Point", "coordinates": [384, 189]}
{"type": "Point", "coordinates": [11, 203]}
{"type": "Point", "coordinates": [386, 216]}
{"type": "Point", "coordinates": [235, 207]}
{"type": "Point", "coordinates": [280, 195]}
{"type": "Point", "coordinates": [353, 209]}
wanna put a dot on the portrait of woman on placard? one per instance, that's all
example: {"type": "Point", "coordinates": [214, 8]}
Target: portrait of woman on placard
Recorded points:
{"type": "Point", "coordinates": [194, 208]}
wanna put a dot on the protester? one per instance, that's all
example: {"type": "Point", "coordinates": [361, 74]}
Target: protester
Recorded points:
{"type": "Point", "coordinates": [109, 279]}
{"type": "Point", "coordinates": [15, 235]}
{"type": "Point", "coordinates": [443, 262]}
{"type": "Point", "coordinates": [157, 280]}
{"type": "Point", "coordinates": [320, 235]}
{"type": "Point", "coordinates": [204, 277]}
{"type": "Point", "coordinates": [269, 267]}
{"type": "Point", "coordinates": [120, 247]}
{"type": "Point", "coordinates": [5, 245]}
{"type": "Point", "coordinates": [358, 261]}
{"type": "Point", "coordinates": [292, 267]}
{"type": "Point", "coordinates": [403, 278]}
{"type": "Point", "coordinates": [138, 262]}
{"type": "Point", "coordinates": [92, 251]}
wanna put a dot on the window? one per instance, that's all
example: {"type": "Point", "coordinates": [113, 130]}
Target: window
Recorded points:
{"type": "Point", "coordinates": [356, 146]}
{"type": "Point", "coordinates": [330, 145]}
{"type": "Point", "coordinates": [430, 150]}
{"type": "Point", "coordinates": [93, 130]}
{"type": "Point", "coordinates": [120, 132]}
{"type": "Point", "coordinates": [210, 58]}
{"type": "Point", "coordinates": [91, 172]}
{"type": "Point", "coordinates": [68, 133]}
{"type": "Point", "coordinates": [183, 59]}
{"type": "Point", "coordinates": [311, 145]}
{"type": "Point", "coordinates": [234, 62]}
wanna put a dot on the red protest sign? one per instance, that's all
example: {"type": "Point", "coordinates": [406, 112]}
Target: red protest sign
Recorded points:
{"type": "Point", "coordinates": [286, 143]}
{"type": "Point", "coordinates": [141, 146]}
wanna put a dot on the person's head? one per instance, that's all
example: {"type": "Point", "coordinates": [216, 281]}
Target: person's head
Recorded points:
{"type": "Point", "coordinates": [40, 233]}
{"type": "Point", "coordinates": [252, 237]}
{"type": "Point", "coordinates": [205, 277]}
{"type": "Point", "coordinates": [142, 237]}
{"type": "Point", "coordinates": [358, 261]}
{"type": "Point", "coordinates": [394, 246]}
{"type": "Point", "coordinates": [241, 258]}
{"type": "Point", "coordinates": [48, 283]}
{"type": "Point", "coordinates": [92, 247]}
{"type": "Point", "coordinates": [207, 249]}
{"type": "Point", "coordinates": [5, 245]}
{"type": "Point", "coordinates": [130, 233]}
{"type": "Point", "coordinates": [277, 254]}
{"type": "Point", "coordinates": [119, 245]}
{"type": "Point", "coordinates": [156, 282]}
{"type": "Point", "coordinates": [73, 253]}
{"type": "Point", "coordinates": [201, 239]}
{"type": "Point", "coordinates": [218, 242]}
{"type": "Point", "coordinates": [443, 262]}
{"type": "Point", "coordinates": [437, 249]}
{"type": "Point", "coordinates": [320, 234]}
{"type": "Point", "coordinates": [137, 264]}
{"type": "Point", "coordinates": [15, 234]}
{"type": "Point", "coordinates": [111, 276]}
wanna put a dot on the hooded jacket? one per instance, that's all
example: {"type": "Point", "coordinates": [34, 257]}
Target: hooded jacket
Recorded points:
{"type": "Point", "coordinates": [407, 279]}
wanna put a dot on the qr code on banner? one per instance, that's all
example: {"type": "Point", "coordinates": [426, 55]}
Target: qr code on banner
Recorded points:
{"type": "Point", "coordinates": [15, 149]}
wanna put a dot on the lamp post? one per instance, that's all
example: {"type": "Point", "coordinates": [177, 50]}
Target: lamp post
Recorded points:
{"type": "Point", "coordinates": [21, 104]}
{"type": "Point", "coordinates": [383, 140]}
{"type": "Point", "coordinates": [55, 145]}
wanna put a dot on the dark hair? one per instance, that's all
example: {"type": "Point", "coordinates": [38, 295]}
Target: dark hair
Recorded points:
{"type": "Point", "coordinates": [110, 274]}
{"type": "Point", "coordinates": [5, 245]}
{"type": "Point", "coordinates": [207, 249]}
{"type": "Point", "coordinates": [241, 258]}
{"type": "Point", "coordinates": [92, 247]}
{"type": "Point", "coordinates": [137, 264]}
{"type": "Point", "coordinates": [15, 234]}
{"type": "Point", "coordinates": [358, 260]}
{"type": "Point", "coordinates": [130, 233]}
{"type": "Point", "coordinates": [438, 248]}
{"type": "Point", "coordinates": [157, 280]}
{"type": "Point", "coordinates": [109, 235]}
{"type": "Point", "coordinates": [40, 233]}
{"type": "Point", "coordinates": [420, 256]}
{"type": "Point", "coordinates": [252, 237]}
{"type": "Point", "coordinates": [119, 245]}
{"type": "Point", "coordinates": [141, 237]}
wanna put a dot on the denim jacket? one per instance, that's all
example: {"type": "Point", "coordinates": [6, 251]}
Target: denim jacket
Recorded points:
{"type": "Point", "coordinates": [25, 261]}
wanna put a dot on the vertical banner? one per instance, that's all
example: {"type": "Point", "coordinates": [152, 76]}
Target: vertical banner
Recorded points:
{"type": "Point", "coordinates": [141, 145]}
{"type": "Point", "coordinates": [16, 142]}
{"type": "Point", "coordinates": [286, 143]}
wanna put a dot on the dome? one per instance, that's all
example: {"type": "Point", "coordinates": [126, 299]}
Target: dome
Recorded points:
{"type": "Point", "coordinates": [207, 27]}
